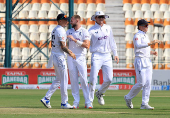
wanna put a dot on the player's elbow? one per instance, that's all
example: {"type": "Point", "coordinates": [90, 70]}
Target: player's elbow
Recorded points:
{"type": "Point", "coordinates": [62, 48]}
{"type": "Point", "coordinates": [108, 81]}
{"type": "Point", "coordinates": [137, 46]}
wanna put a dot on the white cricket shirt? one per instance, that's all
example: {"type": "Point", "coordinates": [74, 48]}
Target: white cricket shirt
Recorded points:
{"type": "Point", "coordinates": [102, 39]}
{"type": "Point", "coordinates": [58, 34]}
{"type": "Point", "coordinates": [81, 34]}
{"type": "Point", "coordinates": [141, 47]}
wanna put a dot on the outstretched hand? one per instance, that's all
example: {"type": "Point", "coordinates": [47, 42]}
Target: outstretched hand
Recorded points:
{"type": "Point", "coordinates": [155, 41]}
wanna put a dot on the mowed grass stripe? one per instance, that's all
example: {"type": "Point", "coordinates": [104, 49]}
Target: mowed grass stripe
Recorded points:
{"type": "Point", "coordinates": [26, 104]}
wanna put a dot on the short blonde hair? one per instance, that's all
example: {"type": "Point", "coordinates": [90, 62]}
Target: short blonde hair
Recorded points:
{"type": "Point", "coordinates": [77, 17]}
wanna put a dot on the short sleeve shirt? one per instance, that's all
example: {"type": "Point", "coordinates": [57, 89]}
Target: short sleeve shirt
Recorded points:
{"type": "Point", "coordinates": [57, 35]}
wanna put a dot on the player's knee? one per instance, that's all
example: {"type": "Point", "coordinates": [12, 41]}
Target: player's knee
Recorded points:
{"type": "Point", "coordinates": [92, 82]}
{"type": "Point", "coordinates": [93, 78]}
{"type": "Point", "coordinates": [108, 81]}
{"type": "Point", "coordinates": [140, 85]}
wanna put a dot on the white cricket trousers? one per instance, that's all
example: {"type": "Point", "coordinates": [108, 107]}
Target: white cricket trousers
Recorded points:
{"type": "Point", "coordinates": [61, 80]}
{"type": "Point", "coordinates": [144, 77]}
{"type": "Point", "coordinates": [98, 61]}
{"type": "Point", "coordinates": [76, 67]}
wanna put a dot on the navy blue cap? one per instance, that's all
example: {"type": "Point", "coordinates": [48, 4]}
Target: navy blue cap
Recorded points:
{"type": "Point", "coordinates": [142, 22]}
{"type": "Point", "coordinates": [62, 17]}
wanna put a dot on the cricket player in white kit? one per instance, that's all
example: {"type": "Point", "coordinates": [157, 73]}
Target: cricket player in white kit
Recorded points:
{"type": "Point", "coordinates": [79, 40]}
{"type": "Point", "coordinates": [57, 58]}
{"type": "Point", "coordinates": [102, 43]}
{"type": "Point", "coordinates": [143, 66]}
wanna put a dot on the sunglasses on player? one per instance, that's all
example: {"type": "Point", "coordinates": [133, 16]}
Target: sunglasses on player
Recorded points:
{"type": "Point", "coordinates": [100, 16]}
{"type": "Point", "coordinates": [146, 25]}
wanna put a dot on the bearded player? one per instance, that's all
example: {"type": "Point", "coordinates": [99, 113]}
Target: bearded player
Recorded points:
{"type": "Point", "coordinates": [79, 42]}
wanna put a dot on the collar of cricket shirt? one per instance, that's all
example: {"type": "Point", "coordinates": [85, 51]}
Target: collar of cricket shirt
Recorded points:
{"type": "Point", "coordinates": [142, 32]}
{"type": "Point", "coordinates": [78, 29]}
{"type": "Point", "coordinates": [97, 25]}
{"type": "Point", "coordinates": [60, 26]}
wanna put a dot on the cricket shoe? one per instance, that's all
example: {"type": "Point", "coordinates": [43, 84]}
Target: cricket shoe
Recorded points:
{"type": "Point", "coordinates": [46, 102]}
{"type": "Point", "coordinates": [89, 106]}
{"type": "Point", "coordinates": [146, 107]}
{"type": "Point", "coordinates": [100, 98]}
{"type": "Point", "coordinates": [75, 106]}
{"type": "Point", "coordinates": [85, 106]}
{"type": "Point", "coordinates": [128, 102]}
{"type": "Point", "coordinates": [66, 106]}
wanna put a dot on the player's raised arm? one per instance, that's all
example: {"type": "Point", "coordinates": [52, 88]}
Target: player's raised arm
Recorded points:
{"type": "Point", "coordinates": [78, 44]}
{"type": "Point", "coordinates": [154, 41]}
{"type": "Point", "coordinates": [85, 43]}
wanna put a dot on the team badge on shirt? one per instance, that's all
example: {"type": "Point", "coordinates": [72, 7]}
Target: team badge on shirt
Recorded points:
{"type": "Point", "coordinates": [136, 38]}
{"type": "Point", "coordinates": [80, 33]}
{"type": "Point", "coordinates": [96, 32]}
{"type": "Point", "coordinates": [63, 38]}
{"type": "Point", "coordinates": [70, 33]}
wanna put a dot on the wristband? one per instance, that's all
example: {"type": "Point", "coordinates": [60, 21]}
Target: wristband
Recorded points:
{"type": "Point", "coordinates": [79, 43]}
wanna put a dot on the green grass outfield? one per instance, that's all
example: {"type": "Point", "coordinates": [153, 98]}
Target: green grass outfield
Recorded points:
{"type": "Point", "coordinates": [26, 104]}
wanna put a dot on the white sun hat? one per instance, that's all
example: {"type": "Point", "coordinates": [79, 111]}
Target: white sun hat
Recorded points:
{"type": "Point", "coordinates": [98, 13]}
